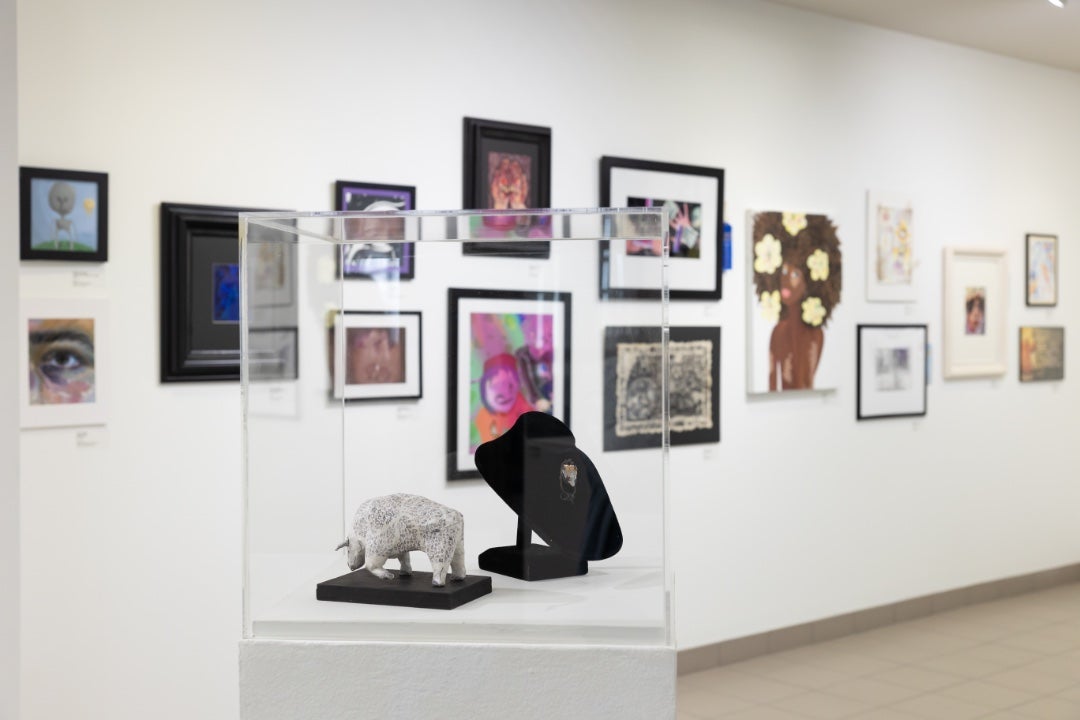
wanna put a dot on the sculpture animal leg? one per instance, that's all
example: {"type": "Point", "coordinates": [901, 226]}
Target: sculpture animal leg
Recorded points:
{"type": "Point", "coordinates": [457, 564]}
{"type": "Point", "coordinates": [438, 573]}
{"type": "Point", "coordinates": [375, 567]}
{"type": "Point", "coordinates": [406, 564]}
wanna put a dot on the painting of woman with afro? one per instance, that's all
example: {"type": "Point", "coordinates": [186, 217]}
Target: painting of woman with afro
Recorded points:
{"type": "Point", "coordinates": [797, 282]}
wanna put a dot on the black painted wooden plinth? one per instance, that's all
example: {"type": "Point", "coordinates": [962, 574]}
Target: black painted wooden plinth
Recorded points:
{"type": "Point", "coordinates": [531, 562]}
{"type": "Point", "coordinates": [414, 590]}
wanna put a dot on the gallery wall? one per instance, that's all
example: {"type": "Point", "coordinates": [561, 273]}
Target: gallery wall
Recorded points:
{"type": "Point", "coordinates": [9, 408]}
{"type": "Point", "coordinates": [131, 532]}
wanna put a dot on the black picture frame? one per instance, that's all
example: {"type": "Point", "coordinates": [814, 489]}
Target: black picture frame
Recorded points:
{"type": "Point", "coordinates": [632, 367]}
{"type": "Point", "coordinates": [39, 194]}
{"type": "Point", "coordinates": [484, 141]}
{"type": "Point", "coordinates": [649, 182]}
{"type": "Point", "coordinates": [356, 195]}
{"type": "Point", "coordinates": [1030, 298]}
{"type": "Point", "coordinates": [411, 386]}
{"type": "Point", "coordinates": [197, 342]}
{"type": "Point", "coordinates": [917, 370]}
{"type": "Point", "coordinates": [463, 307]}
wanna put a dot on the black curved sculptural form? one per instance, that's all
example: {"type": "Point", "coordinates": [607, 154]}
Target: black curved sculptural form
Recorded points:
{"type": "Point", "coordinates": [556, 491]}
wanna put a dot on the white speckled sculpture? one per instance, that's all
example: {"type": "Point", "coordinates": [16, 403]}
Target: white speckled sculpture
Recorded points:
{"type": "Point", "coordinates": [393, 525]}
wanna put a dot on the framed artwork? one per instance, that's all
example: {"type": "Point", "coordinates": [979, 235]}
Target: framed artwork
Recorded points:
{"type": "Point", "coordinates": [200, 292]}
{"type": "Point", "coordinates": [632, 386]}
{"type": "Point", "coordinates": [693, 201]}
{"type": "Point", "coordinates": [273, 354]}
{"type": "Point", "coordinates": [509, 354]}
{"type": "Point", "coordinates": [795, 281]}
{"type": "Point", "coordinates": [1042, 270]}
{"type": "Point", "coordinates": [381, 358]}
{"type": "Point", "coordinates": [507, 166]}
{"type": "Point", "coordinates": [891, 371]}
{"type": "Point", "coordinates": [1042, 353]}
{"type": "Point", "coordinates": [975, 306]}
{"type": "Point", "coordinates": [272, 258]}
{"type": "Point", "coordinates": [64, 362]}
{"type": "Point", "coordinates": [890, 248]}
{"type": "Point", "coordinates": [375, 259]}
{"type": "Point", "coordinates": [63, 215]}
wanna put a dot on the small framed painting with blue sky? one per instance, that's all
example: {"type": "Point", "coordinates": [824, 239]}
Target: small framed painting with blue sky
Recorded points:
{"type": "Point", "coordinates": [63, 215]}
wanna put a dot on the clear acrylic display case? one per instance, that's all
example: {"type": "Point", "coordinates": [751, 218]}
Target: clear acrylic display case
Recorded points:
{"type": "Point", "coordinates": [363, 336]}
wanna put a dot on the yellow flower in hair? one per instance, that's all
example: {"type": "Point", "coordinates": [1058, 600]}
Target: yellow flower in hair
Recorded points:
{"type": "Point", "coordinates": [902, 230]}
{"type": "Point", "coordinates": [770, 305]}
{"type": "Point", "coordinates": [794, 222]}
{"type": "Point", "coordinates": [818, 263]}
{"type": "Point", "coordinates": [767, 255]}
{"type": "Point", "coordinates": [813, 312]}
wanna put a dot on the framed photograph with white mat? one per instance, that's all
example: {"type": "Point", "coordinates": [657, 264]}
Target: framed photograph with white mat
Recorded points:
{"type": "Point", "coordinates": [975, 307]}
{"type": "Point", "coordinates": [892, 371]}
{"type": "Point", "coordinates": [376, 355]}
{"type": "Point", "coordinates": [891, 247]}
{"type": "Point", "coordinates": [693, 200]}
{"type": "Point", "coordinates": [63, 359]}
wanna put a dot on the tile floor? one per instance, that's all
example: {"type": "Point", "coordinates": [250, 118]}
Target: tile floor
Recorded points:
{"type": "Point", "coordinates": [1015, 658]}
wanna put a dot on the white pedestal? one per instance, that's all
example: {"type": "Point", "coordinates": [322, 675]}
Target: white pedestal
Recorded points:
{"type": "Point", "coordinates": [295, 680]}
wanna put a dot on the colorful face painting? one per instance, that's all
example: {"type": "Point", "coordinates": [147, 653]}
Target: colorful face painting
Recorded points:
{"type": "Point", "coordinates": [894, 249]}
{"type": "Point", "coordinates": [684, 228]}
{"type": "Point", "coordinates": [511, 371]}
{"type": "Point", "coordinates": [61, 361]}
{"type": "Point", "coordinates": [226, 285]}
{"type": "Point", "coordinates": [975, 311]}
{"type": "Point", "coordinates": [63, 215]}
{"type": "Point", "coordinates": [797, 283]}
{"type": "Point", "coordinates": [508, 181]}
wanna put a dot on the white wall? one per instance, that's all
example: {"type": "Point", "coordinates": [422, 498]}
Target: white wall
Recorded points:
{"type": "Point", "coordinates": [9, 407]}
{"type": "Point", "coordinates": [131, 545]}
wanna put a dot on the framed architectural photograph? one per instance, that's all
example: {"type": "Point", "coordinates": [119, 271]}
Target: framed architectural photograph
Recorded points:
{"type": "Point", "coordinates": [507, 166]}
{"type": "Point", "coordinates": [1042, 270]}
{"type": "Point", "coordinates": [200, 292]}
{"type": "Point", "coordinates": [381, 357]}
{"type": "Point", "coordinates": [890, 248]}
{"type": "Point", "coordinates": [1042, 353]}
{"type": "Point", "coordinates": [693, 201]}
{"type": "Point", "coordinates": [795, 282]}
{"type": "Point", "coordinates": [632, 386]}
{"type": "Point", "coordinates": [975, 307]}
{"type": "Point", "coordinates": [64, 362]}
{"type": "Point", "coordinates": [376, 259]}
{"type": "Point", "coordinates": [509, 354]}
{"type": "Point", "coordinates": [273, 354]}
{"type": "Point", "coordinates": [891, 371]}
{"type": "Point", "coordinates": [63, 215]}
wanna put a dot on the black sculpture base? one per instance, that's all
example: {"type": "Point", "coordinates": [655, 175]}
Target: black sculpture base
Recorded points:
{"type": "Point", "coordinates": [532, 562]}
{"type": "Point", "coordinates": [414, 590]}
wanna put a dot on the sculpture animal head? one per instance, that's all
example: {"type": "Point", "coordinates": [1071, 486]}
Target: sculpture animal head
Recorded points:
{"type": "Point", "coordinates": [355, 552]}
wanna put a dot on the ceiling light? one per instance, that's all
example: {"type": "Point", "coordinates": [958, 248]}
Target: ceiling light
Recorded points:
{"type": "Point", "coordinates": [1057, 3]}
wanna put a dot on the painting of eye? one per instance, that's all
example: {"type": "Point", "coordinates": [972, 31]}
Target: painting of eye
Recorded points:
{"type": "Point", "coordinates": [61, 361]}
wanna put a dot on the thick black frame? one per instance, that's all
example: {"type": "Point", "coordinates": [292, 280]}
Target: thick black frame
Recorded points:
{"type": "Point", "coordinates": [477, 130]}
{"type": "Point", "coordinates": [858, 368]}
{"type": "Point", "coordinates": [1027, 269]}
{"type": "Point", "coordinates": [26, 175]}
{"type": "Point", "coordinates": [615, 335]}
{"type": "Point", "coordinates": [1020, 353]}
{"type": "Point", "coordinates": [339, 204]}
{"type": "Point", "coordinates": [607, 164]}
{"type": "Point", "coordinates": [455, 295]}
{"type": "Point", "coordinates": [419, 353]}
{"type": "Point", "coordinates": [179, 361]}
